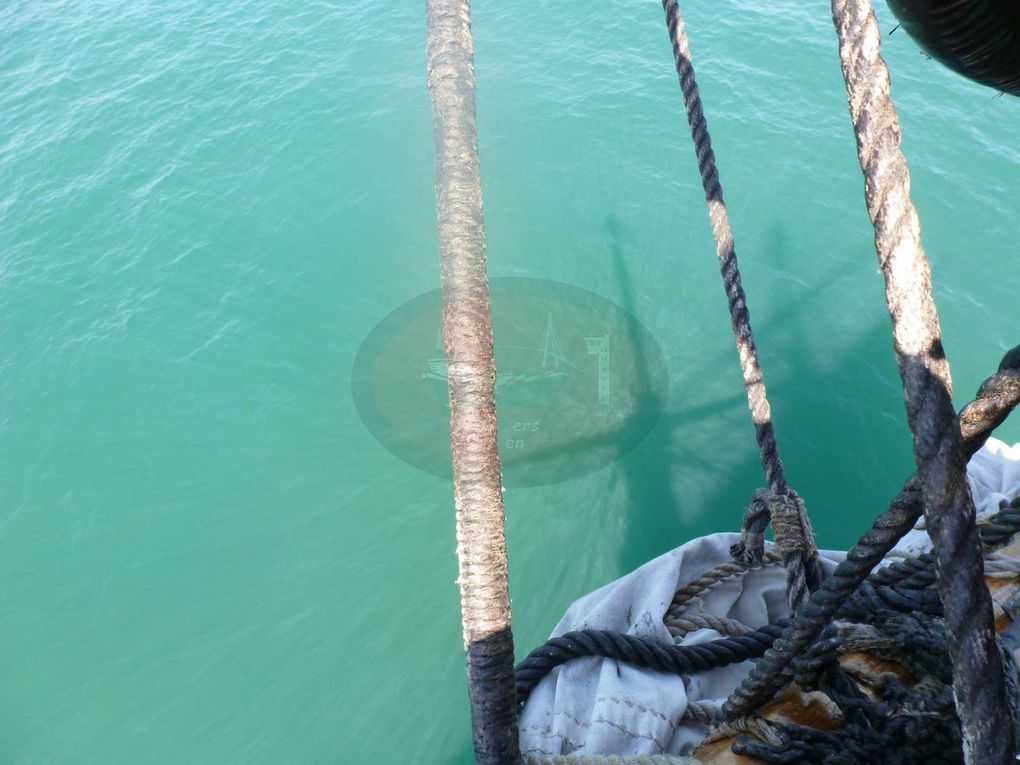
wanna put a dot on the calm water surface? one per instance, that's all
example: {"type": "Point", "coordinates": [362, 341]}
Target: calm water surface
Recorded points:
{"type": "Point", "coordinates": [205, 208]}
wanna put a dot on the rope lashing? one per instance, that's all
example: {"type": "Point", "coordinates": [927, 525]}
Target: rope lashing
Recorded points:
{"type": "Point", "coordinates": [996, 398]}
{"type": "Point", "coordinates": [641, 653]}
{"type": "Point", "coordinates": [801, 561]}
{"type": "Point", "coordinates": [948, 506]}
{"type": "Point", "coordinates": [796, 543]}
{"type": "Point", "coordinates": [471, 373]}
{"type": "Point", "coordinates": [751, 546]}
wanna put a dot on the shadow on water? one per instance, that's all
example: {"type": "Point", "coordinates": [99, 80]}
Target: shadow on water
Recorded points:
{"type": "Point", "coordinates": [837, 403]}
{"type": "Point", "coordinates": [839, 417]}
{"type": "Point", "coordinates": [643, 478]}
{"type": "Point", "coordinates": [821, 396]}
{"type": "Point", "coordinates": [838, 412]}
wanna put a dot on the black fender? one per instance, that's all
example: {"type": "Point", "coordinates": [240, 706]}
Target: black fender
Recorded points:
{"type": "Point", "coordinates": [980, 39]}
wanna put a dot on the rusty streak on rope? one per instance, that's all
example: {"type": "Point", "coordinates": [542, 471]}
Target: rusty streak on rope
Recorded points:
{"type": "Point", "coordinates": [471, 372]}
{"type": "Point", "coordinates": [948, 506]}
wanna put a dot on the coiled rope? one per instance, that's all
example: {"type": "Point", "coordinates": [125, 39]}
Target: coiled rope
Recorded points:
{"type": "Point", "coordinates": [793, 530]}
{"type": "Point", "coordinates": [900, 587]}
{"type": "Point", "coordinates": [582, 759]}
{"type": "Point", "coordinates": [640, 652]}
{"type": "Point", "coordinates": [996, 398]}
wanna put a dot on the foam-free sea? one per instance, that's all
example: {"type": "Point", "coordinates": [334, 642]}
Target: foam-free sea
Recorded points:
{"type": "Point", "coordinates": [212, 550]}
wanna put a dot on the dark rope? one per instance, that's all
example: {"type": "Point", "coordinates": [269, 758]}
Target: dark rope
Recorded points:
{"type": "Point", "coordinates": [919, 571]}
{"type": "Point", "coordinates": [1003, 526]}
{"type": "Point", "coordinates": [978, 683]}
{"type": "Point", "coordinates": [641, 653]}
{"type": "Point", "coordinates": [904, 614]}
{"type": "Point", "coordinates": [800, 556]}
{"type": "Point", "coordinates": [908, 726]}
{"type": "Point", "coordinates": [998, 395]}
{"type": "Point", "coordinates": [903, 725]}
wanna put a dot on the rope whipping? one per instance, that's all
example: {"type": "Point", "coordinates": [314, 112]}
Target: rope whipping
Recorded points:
{"type": "Point", "coordinates": [467, 332]}
{"type": "Point", "coordinates": [978, 684]}
{"type": "Point", "coordinates": [793, 530]}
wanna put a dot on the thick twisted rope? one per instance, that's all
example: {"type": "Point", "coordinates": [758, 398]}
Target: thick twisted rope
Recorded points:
{"type": "Point", "coordinates": [641, 653]}
{"type": "Point", "coordinates": [799, 553]}
{"type": "Point", "coordinates": [998, 395]}
{"type": "Point", "coordinates": [919, 571]}
{"type": "Point", "coordinates": [467, 329]}
{"type": "Point", "coordinates": [702, 712]}
{"type": "Point", "coordinates": [698, 587]}
{"type": "Point", "coordinates": [683, 624]}
{"type": "Point", "coordinates": [584, 759]}
{"type": "Point", "coordinates": [1001, 528]}
{"type": "Point", "coordinates": [948, 506]}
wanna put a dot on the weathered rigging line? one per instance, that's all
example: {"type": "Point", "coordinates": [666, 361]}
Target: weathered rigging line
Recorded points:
{"type": "Point", "coordinates": [471, 371]}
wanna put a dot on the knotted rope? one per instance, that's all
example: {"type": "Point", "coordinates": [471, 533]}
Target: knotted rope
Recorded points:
{"type": "Point", "coordinates": [998, 395]}
{"type": "Point", "coordinates": [800, 555]}
{"type": "Point", "coordinates": [940, 457]}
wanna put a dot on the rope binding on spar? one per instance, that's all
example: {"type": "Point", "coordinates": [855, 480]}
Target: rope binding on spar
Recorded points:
{"type": "Point", "coordinates": [932, 612]}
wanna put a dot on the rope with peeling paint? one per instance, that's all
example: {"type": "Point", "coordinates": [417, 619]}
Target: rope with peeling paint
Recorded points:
{"type": "Point", "coordinates": [793, 530]}
{"type": "Point", "coordinates": [471, 373]}
{"type": "Point", "coordinates": [948, 507]}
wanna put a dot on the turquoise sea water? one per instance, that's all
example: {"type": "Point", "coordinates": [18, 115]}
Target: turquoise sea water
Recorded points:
{"type": "Point", "coordinates": [205, 208]}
